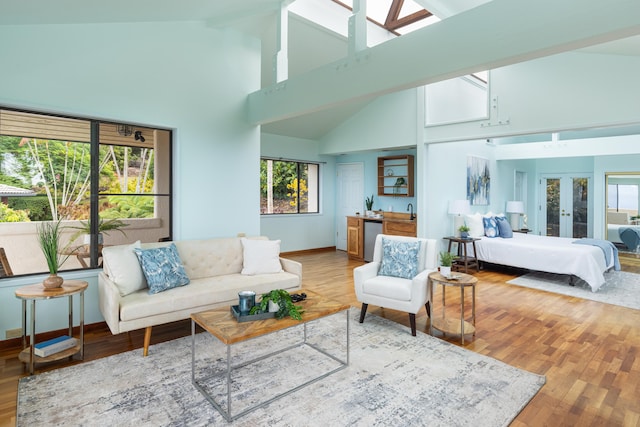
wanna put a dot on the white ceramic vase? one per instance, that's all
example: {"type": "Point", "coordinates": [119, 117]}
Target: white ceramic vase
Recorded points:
{"type": "Point", "coordinates": [273, 307]}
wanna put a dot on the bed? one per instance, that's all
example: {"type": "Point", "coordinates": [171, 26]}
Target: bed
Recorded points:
{"type": "Point", "coordinates": [550, 254]}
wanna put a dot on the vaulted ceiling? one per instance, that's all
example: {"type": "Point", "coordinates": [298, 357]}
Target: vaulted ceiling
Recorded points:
{"type": "Point", "coordinates": [258, 18]}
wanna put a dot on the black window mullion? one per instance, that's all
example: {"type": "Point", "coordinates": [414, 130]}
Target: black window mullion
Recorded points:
{"type": "Point", "coordinates": [94, 213]}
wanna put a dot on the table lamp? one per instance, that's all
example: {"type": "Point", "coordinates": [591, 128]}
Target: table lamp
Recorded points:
{"type": "Point", "coordinates": [515, 209]}
{"type": "Point", "coordinates": [458, 208]}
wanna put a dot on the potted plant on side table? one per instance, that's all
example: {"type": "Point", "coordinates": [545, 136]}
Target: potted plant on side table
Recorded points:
{"type": "Point", "coordinates": [49, 240]}
{"type": "Point", "coordinates": [446, 259]}
{"type": "Point", "coordinates": [464, 231]}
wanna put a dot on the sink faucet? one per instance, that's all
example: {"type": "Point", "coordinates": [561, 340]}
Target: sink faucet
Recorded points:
{"type": "Point", "coordinates": [411, 216]}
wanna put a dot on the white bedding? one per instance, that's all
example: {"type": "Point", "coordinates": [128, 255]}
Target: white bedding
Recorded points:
{"type": "Point", "coordinates": [545, 253]}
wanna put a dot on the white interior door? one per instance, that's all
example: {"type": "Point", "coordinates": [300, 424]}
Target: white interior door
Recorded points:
{"type": "Point", "coordinates": [565, 210]}
{"type": "Point", "coordinates": [349, 198]}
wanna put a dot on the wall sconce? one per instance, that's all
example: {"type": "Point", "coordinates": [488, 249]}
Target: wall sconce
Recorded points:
{"type": "Point", "coordinates": [458, 208]}
{"type": "Point", "coordinates": [138, 136]}
{"type": "Point", "coordinates": [124, 130]}
{"type": "Point", "coordinates": [515, 208]}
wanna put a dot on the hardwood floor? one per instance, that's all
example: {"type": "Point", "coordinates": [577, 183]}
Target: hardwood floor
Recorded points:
{"type": "Point", "coordinates": [588, 351]}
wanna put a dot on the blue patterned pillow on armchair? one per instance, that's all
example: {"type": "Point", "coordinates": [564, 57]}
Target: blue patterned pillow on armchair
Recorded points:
{"type": "Point", "coordinates": [162, 267]}
{"type": "Point", "coordinates": [399, 259]}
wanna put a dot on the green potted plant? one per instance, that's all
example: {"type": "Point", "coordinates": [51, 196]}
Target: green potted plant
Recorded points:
{"type": "Point", "coordinates": [368, 203]}
{"type": "Point", "coordinates": [446, 259]}
{"type": "Point", "coordinates": [104, 227]}
{"type": "Point", "coordinates": [464, 231]}
{"type": "Point", "coordinates": [280, 302]}
{"type": "Point", "coordinates": [49, 239]}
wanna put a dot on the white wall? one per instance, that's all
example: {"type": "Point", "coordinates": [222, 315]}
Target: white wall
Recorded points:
{"type": "Point", "coordinates": [303, 231]}
{"type": "Point", "coordinates": [182, 76]}
{"type": "Point", "coordinates": [566, 91]}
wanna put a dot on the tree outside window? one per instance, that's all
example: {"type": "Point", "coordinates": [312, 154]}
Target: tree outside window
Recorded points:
{"type": "Point", "coordinates": [288, 187]}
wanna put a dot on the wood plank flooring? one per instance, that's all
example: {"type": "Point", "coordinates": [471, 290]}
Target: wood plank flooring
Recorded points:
{"type": "Point", "coordinates": [588, 351]}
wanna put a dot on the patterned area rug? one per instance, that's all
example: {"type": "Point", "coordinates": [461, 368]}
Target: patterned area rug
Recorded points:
{"type": "Point", "coordinates": [393, 379]}
{"type": "Point", "coordinates": [621, 288]}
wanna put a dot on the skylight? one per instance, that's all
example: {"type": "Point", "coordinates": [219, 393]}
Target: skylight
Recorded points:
{"type": "Point", "coordinates": [397, 16]}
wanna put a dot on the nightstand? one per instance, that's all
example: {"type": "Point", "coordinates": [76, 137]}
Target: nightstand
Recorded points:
{"type": "Point", "coordinates": [464, 260]}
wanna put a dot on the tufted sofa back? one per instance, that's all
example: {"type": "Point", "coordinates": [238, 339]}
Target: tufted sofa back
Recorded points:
{"type": "Point", "coordinates": [209, 257]}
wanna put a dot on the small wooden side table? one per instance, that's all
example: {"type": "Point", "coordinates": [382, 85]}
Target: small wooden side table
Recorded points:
{"type": "Point", "coordinates": [38, 292]}
{"type": "Point", "coordinates": [448, 325]}
{"type": "Point", "coordinates": [464, 261]}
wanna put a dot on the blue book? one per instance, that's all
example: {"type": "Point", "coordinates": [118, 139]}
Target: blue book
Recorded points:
{"type": "Point", "coordinates": [46, 348]}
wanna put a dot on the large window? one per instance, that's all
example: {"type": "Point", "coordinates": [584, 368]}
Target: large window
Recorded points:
{"type": "Point", "coordinates": [108, 183]}
{"type": "Point", "coordinates": [288, 187]}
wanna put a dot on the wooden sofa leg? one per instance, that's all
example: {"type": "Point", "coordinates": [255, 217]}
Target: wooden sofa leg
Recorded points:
{"type": "Point", "coordinates": [147, 340]}
{"type": "Point", "coordinates": [412, 321]}
{"type": "Point", "coordinates": [363, 311]}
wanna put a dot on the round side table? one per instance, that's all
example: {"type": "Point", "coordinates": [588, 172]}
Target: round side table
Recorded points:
{"type": "Point", "coordinates": [38, 292]}
{"type": "Point", "coordinates": [449, 325]}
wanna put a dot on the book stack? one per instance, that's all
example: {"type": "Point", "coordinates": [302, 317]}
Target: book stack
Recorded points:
{"type": "Point", "coordinates": [49, 347]}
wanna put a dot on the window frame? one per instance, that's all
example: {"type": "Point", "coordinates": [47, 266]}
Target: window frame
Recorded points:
{"type": "Point", "coordinates": [299, 164]}
{"type": "Point", "coordinates": [94, 194]}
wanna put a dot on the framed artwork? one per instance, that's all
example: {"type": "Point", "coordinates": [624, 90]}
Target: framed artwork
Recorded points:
{"type": "Point", "coordinates": [478, 181]}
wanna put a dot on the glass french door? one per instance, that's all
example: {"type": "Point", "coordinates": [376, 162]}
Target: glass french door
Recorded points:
{"type": "Point", "coordinates": [565, 209]}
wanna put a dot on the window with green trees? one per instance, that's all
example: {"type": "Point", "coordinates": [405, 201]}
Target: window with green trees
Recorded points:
{"type": "Point", "coordinates": [76, 170]}
{"type": "Point", "coordinates": [288, 187]}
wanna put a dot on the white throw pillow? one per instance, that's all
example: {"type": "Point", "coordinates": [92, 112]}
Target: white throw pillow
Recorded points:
{"type": "Point", "coordinates": [123, 268]}
{"type": "Point", "coordinates": [260, 256]}
{"type": "Point", "coordinates": [474, 222]}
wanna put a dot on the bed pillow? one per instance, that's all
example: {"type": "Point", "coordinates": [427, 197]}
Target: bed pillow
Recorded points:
{"type": "Point", "coordinates": [504, 228]}
{"type": "Point", "coordinates": [260, 256]}
{"type": "Point", "coordinates": [162, 267]}
{"type": "Point", "coordinates": [474, 222]}
{"type": "Point", "coordinates": [399, 259]}
{"type": "Point", "coordinates": [123, 268]}
{"type": "Point", "coordinates": [490, 226]}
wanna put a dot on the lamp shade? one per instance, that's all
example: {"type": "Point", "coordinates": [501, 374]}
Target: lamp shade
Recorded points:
{"type": "Point", "coordinates": [459, 207]}
{"type": "Point", "coordinates": [515, 207]}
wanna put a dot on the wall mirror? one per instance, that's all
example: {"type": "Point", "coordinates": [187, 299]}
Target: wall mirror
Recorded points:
{"type": "Point", "coordinates": [622, 219]}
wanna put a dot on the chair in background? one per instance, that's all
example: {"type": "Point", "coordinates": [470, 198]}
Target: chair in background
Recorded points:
{"type": "Point", "coordinates": [5, 268]}
{"type": "Point", "coordinates": [391, 291]}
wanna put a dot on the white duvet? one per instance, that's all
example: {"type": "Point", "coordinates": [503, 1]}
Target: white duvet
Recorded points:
{"type": "Point", "coordinates": [544, 253]}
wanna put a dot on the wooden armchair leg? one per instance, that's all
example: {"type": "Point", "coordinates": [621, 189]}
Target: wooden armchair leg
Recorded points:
{"type": "Point", "coordinates": [428, 307]}
{"type": "Point", "coordinates": [147, 340]}
{"type": "Point", "coordinates": [363, 311]}
{"type": "Point", "coordinates": [412, 321]}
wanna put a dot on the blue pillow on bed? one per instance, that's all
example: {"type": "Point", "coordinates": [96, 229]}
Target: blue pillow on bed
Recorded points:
{"type": "Point", "coordinates": [490, 226]}
{"type": "Point", "coordinates": [504, 228]}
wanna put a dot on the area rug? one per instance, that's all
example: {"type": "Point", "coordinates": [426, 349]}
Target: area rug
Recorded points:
{"type": "Point", "coordinates": [393, 379]}
{"type": "Point", "coordinates": [621, 288]}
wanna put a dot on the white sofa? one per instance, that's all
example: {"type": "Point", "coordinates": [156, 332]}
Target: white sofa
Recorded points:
{"type": "Point", "coordinates": [214, 268]}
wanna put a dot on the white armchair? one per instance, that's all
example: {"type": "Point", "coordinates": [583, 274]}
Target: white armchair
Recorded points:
{"type": "Point", "coordinates": [396, 293]}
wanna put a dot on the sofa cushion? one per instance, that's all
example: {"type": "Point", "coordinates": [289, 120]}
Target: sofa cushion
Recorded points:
{"type": "Point", "coordinates": [122, 266]}
{"type": "Point", "coordinates": [261, 256]}
{"type": "Point", "coordinates": [162, 268]}
{"type": "Point", "coordinates": [399, 259]}
{"type": "Point", "coordinates": [219, 290]}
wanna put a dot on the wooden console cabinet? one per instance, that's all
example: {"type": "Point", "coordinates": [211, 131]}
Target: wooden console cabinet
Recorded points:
{"type": "Point", "coordinates": [394, 223]}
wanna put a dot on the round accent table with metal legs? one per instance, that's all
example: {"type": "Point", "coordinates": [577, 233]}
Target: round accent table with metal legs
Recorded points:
{"type": "Point", "coordinates": [450, 325]}
{"type": "Point", "coordinates": [38, 292]}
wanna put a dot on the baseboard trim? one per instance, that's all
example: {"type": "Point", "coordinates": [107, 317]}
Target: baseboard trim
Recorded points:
{"type": "Point", "coordinates": [309, 251]}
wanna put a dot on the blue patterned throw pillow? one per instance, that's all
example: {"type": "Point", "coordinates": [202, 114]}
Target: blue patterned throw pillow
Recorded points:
{"type": "Point", "coordinates": [490, 226]}
{"type": "Point", "coordinates": [399, 259]}
{"type": "Point", "coordinates": [162, 268]}
{"type": "Point", "coordinates": [504, 228]}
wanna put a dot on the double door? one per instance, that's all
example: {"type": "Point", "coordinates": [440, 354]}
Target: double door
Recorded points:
{"type": "Point", "coordinates": [565, 210]}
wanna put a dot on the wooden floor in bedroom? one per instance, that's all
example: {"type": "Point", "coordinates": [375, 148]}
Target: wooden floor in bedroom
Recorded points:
{"type": "Point", "coordinates": [588, 351]}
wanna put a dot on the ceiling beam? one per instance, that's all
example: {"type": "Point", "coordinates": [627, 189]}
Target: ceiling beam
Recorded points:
{"type": "Point", "coordinates": [495, 34]}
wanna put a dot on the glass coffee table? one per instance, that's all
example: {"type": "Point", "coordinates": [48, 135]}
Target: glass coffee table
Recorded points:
{"type": "Point", "coordinates": [222, 386]}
